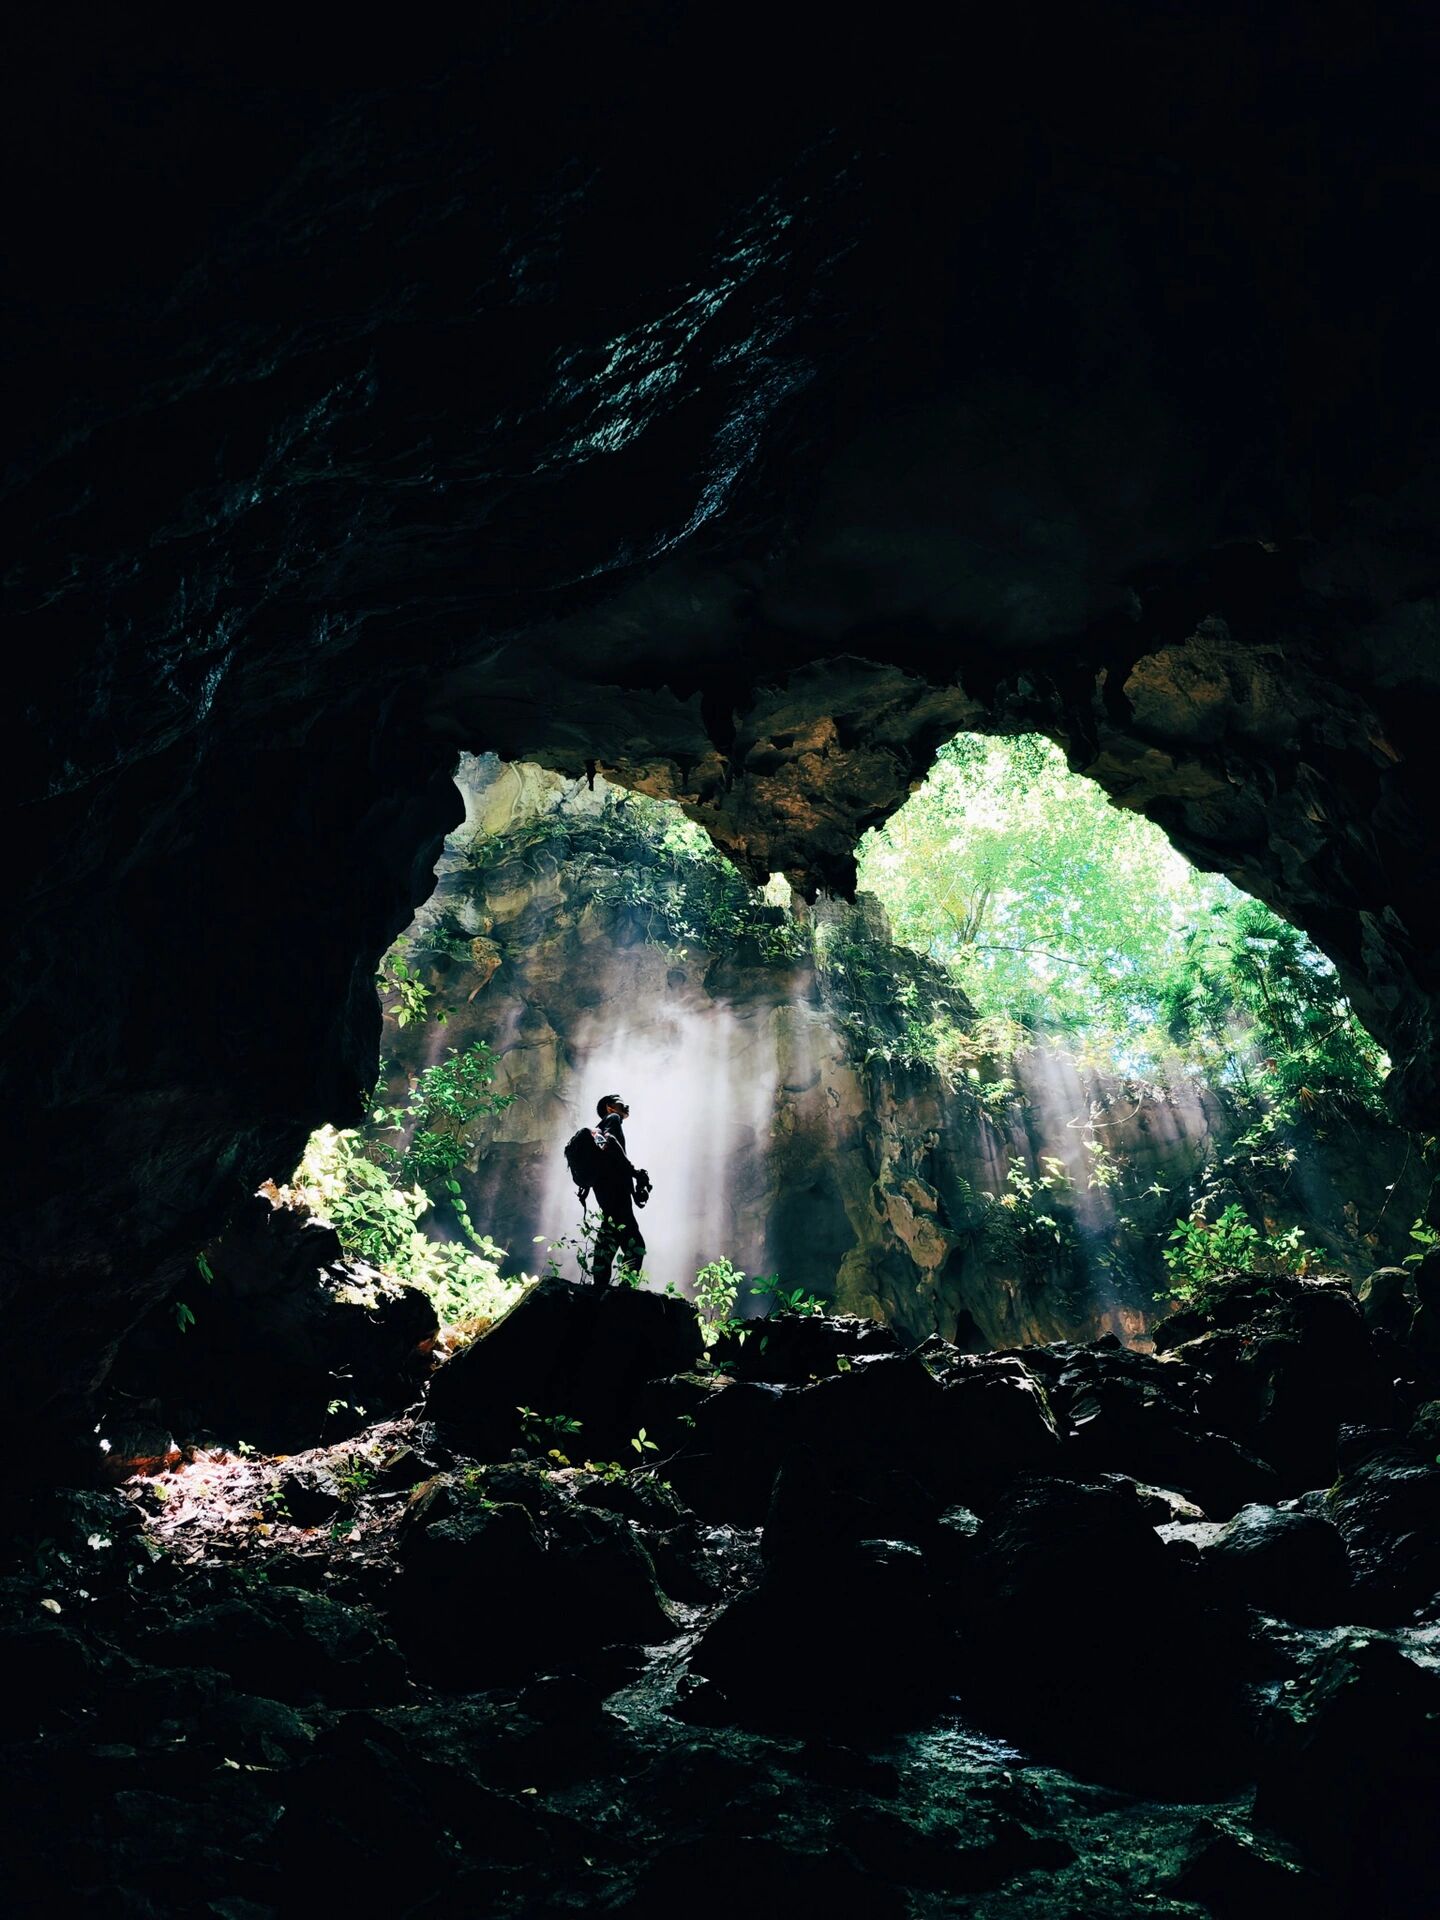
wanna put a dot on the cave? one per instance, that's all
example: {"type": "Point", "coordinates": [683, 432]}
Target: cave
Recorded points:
{"type": "Point", "coordinates": [626, 405]}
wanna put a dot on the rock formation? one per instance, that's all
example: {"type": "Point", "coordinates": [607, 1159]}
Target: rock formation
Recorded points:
{"type": "Point", "coordinates": [747, 450]}
{"type": "Point", "coordinates": [1042, 1632]}
{"type": "Point", "coordinates": [791, 1124]}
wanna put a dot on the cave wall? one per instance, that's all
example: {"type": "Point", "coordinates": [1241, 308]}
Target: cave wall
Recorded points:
{"type": "Point", "coordinates": [785, 1134]}
{"type": "Point", "coordinates": [748, 438]}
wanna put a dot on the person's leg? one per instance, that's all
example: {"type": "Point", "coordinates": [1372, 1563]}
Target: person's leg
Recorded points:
{"type": "Point", "coordinates": [607, 1240]}
{"type": "Point", "coordinates": [631, 1243]}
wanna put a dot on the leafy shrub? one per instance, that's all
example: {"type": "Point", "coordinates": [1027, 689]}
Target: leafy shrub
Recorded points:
{"type": "Point", "coordinates": [1426, 1238]}
{"type": "Point", "coordinates": [717, 1289]}
{"type": "Point", "coordinates": [643, 857]}
{"type": "Point", "coordinates": [396, 976]}
{"type": "Point", "coordinates": [377, 1221]}
{"type": "Point", "coordinates": [1202, 1252]}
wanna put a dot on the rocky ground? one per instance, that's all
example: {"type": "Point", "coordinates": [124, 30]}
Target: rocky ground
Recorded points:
{"type": "Point", "coordinates": [804, 1623]}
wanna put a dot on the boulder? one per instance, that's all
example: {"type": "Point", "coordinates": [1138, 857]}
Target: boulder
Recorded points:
{"type": "Point", "coordinates": [491, 1589]}
{"type": "Point", "coordinates": [1349, 1769]}
{"type": "Point", "coordinates": [812, 1508]}
{"type": "Point", "coordinates": [1386, 1299]}
{"type": "Point", "coordinates": [1292, 1363]}
{"type": "Point", "coordinates": [264, 1733]}
{"type": "Point", "coordinates": [994, 1421]}
{"type": "Point", "coordinates": [1293, 1563]}
{"type": "Point", "coordinates": [685, 1567]}
{"type": "Point", "coordinates": [1163, 1504]}
{"type": "Point", "coordinates": [1067, 1566]}
{"type": "Point", "coordinates": [603, 1585]}
{"type": "Point", "coordinates": [727, 1451]}
{"type": "Point", "coordinates": [286, 1644]}
{"type": "Point", "coordinates": [884, 1413]}
{"type": "Point", "coordinates": [795, 1649]}
{"type": "Point", "coordinates": [1229, 1871]}
{"type": "Point", "coordinates": [1131, 1427]}
{"type": "Point", "coordinates": [1386, 1504]}
{"type": "Point", "coordinates": [793, 1349]}
{"type": "Point", "coordinates": [566, 1349]}
{"type": "Point", "coordinates": [286, 1327]}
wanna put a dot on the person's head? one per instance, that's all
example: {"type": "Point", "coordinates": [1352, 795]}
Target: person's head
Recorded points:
{"type": "Point", "coordinates": [612, 1103]}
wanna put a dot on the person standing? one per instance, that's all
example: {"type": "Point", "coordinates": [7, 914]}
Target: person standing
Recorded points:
{"type": "Point", "coordinates": [619, 1187]}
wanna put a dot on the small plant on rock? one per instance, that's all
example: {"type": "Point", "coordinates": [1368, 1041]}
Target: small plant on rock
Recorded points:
{"type": "Point", "coordinates": [1202, 1252]}
{"type": "Point", "coordinates": [717, 1288]}
{"type": "Point", "coordinates": [356, 1477]}
{"type": "Point", "coordinates": [797, 1303]}
{"type": "Point", "coordinates": [542, 1430]}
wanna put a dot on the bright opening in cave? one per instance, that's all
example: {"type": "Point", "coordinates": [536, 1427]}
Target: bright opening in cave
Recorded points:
{"type": "Point", "coordinates": [1030, 1086]}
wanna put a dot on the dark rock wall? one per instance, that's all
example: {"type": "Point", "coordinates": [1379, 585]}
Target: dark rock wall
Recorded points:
{"type": "Point", "coordinates": [746, 412]}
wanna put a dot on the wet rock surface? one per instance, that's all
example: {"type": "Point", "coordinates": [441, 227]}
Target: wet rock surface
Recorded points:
{"type": "Point", "coordinates": [515, 1686]}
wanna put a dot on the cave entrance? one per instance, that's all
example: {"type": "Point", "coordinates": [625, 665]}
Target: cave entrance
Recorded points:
{"type": "Point", "coordinates": [1038, 1054]}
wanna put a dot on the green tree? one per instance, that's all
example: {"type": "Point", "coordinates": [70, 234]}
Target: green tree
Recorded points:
{"type": "Point", "coordinates": [1056, 909]}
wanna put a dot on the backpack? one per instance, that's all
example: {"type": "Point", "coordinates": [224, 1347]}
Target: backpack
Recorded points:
{"type": "Point", "coordinates": [584, 1155]}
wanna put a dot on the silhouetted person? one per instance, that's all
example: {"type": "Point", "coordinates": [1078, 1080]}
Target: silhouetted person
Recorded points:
{"type": "Point", "coordinates": [617, 1186]}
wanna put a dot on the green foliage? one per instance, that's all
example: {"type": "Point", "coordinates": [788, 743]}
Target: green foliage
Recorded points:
{"type": "Point", "coordinates": [1425, 1237]}
{"type": "Point", "coordinates": [798, 1303]}
{"type": "Point", "coordinates": [1307, 1055]}
{"type": "Point", "coordinates": [1078, 922]}
{"type": "Point", "coordinates": [538, 1428]}
{"type": "Point", "coordinates": [643, 1444]}
{"type": "Point", "coordinates": [378, 1221]}
{"type": "Point", "coordinates": [184, 1317]}
{"type": "Point", "coordinates": [1203, 1251]}
{"type": "Point", "coordinates": [375, 1193]}
{"type": "Point", "coordinates": [399, 979]}
{"type": "Point", "coordinates": [717, 1288]}
{"type": "Point", "coordinates": [356, 1477]}
{"type": "Point", "coordinates": [442, 1101]}
{"type": "Point", "coordinates": [1016, 1228]}
{"type": "Point", "coordinates": [643, 858]}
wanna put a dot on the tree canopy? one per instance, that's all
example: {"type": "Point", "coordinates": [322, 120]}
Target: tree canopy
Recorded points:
{"type": "Point", "coordinates": [1058, 910]}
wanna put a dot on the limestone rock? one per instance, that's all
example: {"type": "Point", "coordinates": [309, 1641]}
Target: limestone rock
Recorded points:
{"type": "Point", "coordinates": [1369, 1825]}
{"type": "Point", "coordinates": [1386, 1504]}
{"type": "Point", "coordinates": [1293, 1564]}
{"type": "Point", "coordinates": [566, 1350]}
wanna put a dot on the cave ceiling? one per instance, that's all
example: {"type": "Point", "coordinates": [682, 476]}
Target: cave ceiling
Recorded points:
{"type": "Point", "coordinates": [739, 415]}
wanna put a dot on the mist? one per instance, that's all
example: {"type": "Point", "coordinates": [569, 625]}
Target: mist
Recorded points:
{"type": "Point", "coordinates": [701, 1087]}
